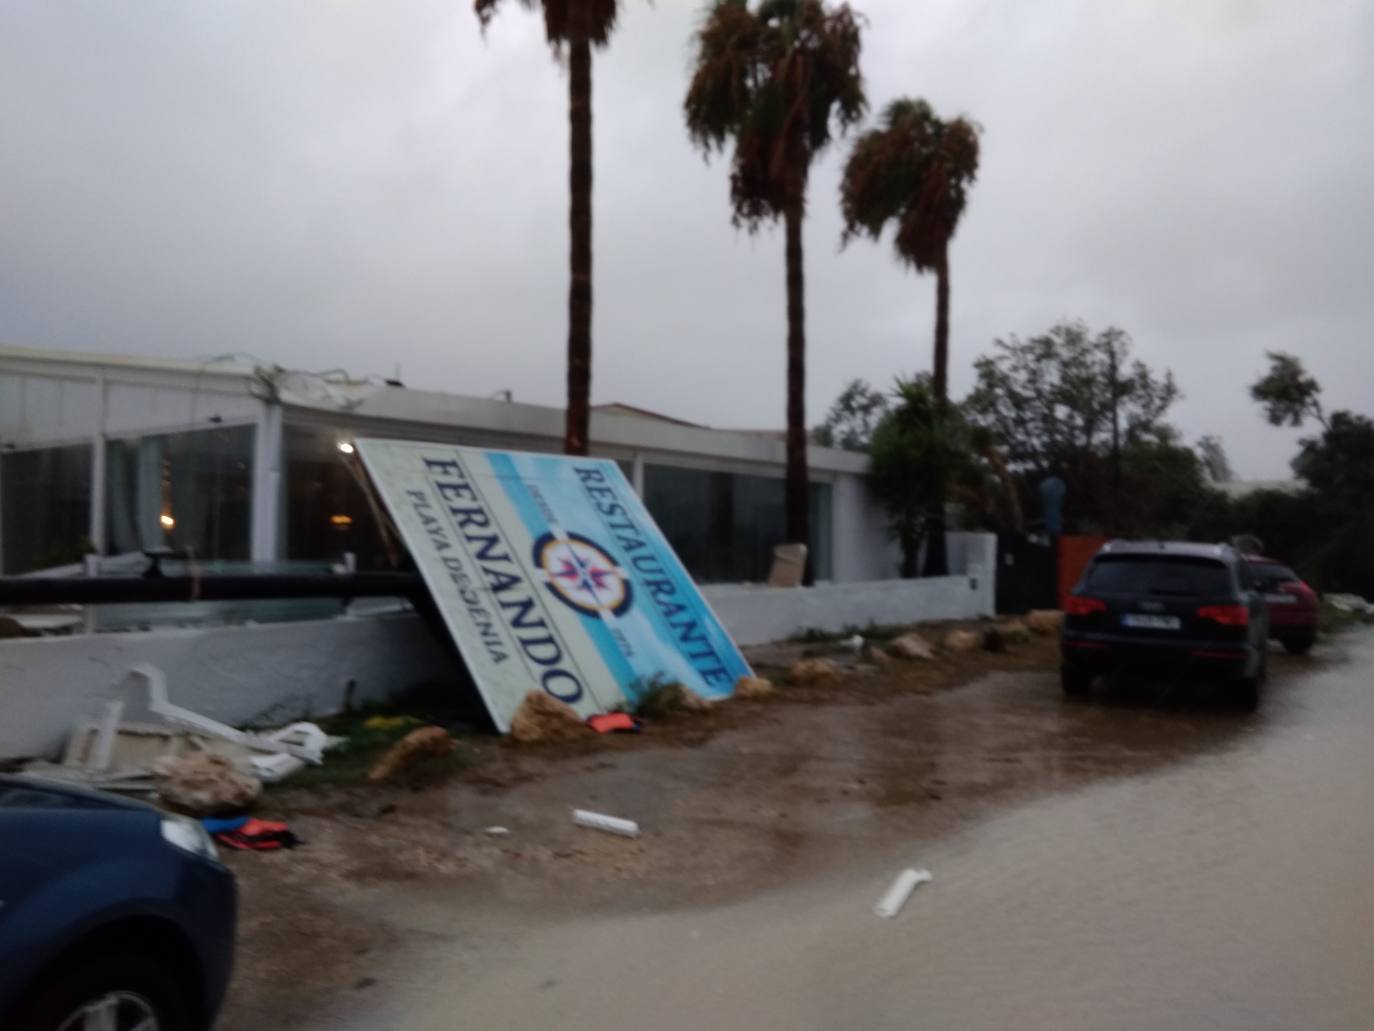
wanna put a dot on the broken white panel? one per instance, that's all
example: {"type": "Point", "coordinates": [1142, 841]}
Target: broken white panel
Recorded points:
{"type": "Point", "coordinates": [891, 903]}
{"type": "Point", "coordinates": [609, 824]}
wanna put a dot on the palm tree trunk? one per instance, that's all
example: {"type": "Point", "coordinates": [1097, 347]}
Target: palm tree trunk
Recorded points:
{"type": "Point", "coordinates": [580, 226]}
{"type": "Point", "coordinates": [798, 507]}
{"type": "Point", "coordinates": [937, 558]}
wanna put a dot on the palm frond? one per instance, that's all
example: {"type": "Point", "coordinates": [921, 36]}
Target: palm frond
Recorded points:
{"type": "Point", "coordinates": [601, 18]}
{"type": "Point", "coordinates": [914, 171]}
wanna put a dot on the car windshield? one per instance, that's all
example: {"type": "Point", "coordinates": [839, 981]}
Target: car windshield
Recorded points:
{"type": "Point", "coordinates": [1272, 572]}
{"type": "Point", "coordinates": [1167, 574]}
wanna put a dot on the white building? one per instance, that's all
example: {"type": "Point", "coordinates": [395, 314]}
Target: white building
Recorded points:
{"type": "Point", "coordinates": [239, 461]}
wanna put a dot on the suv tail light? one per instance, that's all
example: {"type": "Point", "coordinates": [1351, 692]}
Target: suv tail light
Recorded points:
{"type": "Point", "coordinates": [1300, 589]}
{"type": "Point", "coordinates": [1076, 606]}
{"type": "Point", "coordinates": [1226, 615]}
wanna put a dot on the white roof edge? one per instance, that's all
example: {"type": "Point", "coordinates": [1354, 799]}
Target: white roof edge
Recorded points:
{"type": "Point", "coordinates": [231, 365]}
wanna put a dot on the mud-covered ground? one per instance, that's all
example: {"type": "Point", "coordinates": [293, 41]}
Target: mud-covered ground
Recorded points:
{"type": "Point", "coordinates": [745, 801]}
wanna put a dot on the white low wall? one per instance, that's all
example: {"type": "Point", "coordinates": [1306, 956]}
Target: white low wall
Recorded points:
{"type": "Point", "coordinates": [237, 674]}
{"type": "Point", "coordinates": [758, 615]}
{"type": "Point", "coordinates": [277, 672]}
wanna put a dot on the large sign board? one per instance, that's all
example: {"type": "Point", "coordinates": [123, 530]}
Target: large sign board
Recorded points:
{"type": "Point", "coordinates": [550, 575]}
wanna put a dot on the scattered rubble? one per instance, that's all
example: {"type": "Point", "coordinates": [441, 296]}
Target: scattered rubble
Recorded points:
{"type": "Point", "coordinates": [895, 898]}
{"type": "Point", "coordinates": [911, 646]}
{"type": "Point", "coordinates": [962, 641]}
{"type": "Point", "coordinates": [753, 687]}
{"type": "Point", "coordinates": [1045, 621]}
{"type": "Point", "coordinates": [876, 657]}
{"type": "Point", "coordinates": [542, 718]}
{"type": "Point", "coordinates": [609, 824]}
{"type": "Point", "coordinates": [205, 785]}
{"type": "Point", "coordinates": [812, 671]}
{"type": "Point", "coordinates": [1351, 603]}
{"type": "Point", "coordinates": [414, 748]}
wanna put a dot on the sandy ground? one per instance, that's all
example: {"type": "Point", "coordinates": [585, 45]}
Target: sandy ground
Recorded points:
{"type": "Point", "coordinates": [734, 804]}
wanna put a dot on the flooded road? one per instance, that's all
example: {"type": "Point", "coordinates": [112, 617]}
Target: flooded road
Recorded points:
{"type": "Point", "coordinates": [1224, 884]}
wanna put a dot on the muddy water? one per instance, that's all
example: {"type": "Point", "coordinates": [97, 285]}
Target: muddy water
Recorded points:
{"type": "Point", "coordinates": [1230, 889]}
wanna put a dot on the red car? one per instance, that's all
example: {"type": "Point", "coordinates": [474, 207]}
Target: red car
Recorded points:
{"type": "Point", "coordinates": [1292, 603]}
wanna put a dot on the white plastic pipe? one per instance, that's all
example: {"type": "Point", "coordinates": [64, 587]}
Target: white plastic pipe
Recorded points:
{"type": "Point", "coordinates": [891, 904]}
{"type": "Point", "coordinates": [602, 822]}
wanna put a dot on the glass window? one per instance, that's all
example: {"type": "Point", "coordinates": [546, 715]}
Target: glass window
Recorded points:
{"type": "Point", "coordinates": [1133, 574]}
{"type": "Point", "coordinates": [724, 526]}
{"type": "Point", "coordinates": [187, 491]}
{"type": "Point", "coordinates": [45, 507]}
{"type": "Point", "coordinates": [327, 512]}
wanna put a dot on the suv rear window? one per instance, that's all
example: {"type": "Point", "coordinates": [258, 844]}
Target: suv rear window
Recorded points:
{"type": "Point", "coordinates": [1141, 574]}
{"type": "Point", "coordinates": [1272, 572]}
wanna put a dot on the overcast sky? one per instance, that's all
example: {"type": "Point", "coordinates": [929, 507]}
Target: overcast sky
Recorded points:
{"type": "Point", "coordinates": [374, 184]}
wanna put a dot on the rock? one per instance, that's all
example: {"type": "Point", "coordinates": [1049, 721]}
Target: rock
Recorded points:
{"type": "Point", "coordinates": [962, 641]}
{"type": "Point", "coordinates": [1045, 621]}
{"type": "Point", "coordinates": [753, 687]}
{"type": "Point", "coordinates": [911, 646]}
{"type": "Point", "coordinates": [205, 785]}
{"type": "Point", "coordinates": [542, 717]}
{"type": "Point", "coordinates": [415, 747]}
{"type": "Point", "coordinates": [876, 657]}
{"type": "Point", "coordinates": [812, 671]}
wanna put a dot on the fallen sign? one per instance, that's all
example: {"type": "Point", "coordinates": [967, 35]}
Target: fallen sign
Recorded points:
{"type": "Point", "coordinates": [550, 575]}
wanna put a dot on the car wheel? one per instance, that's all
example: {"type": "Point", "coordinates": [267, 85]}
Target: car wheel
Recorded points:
{"type": "Point", "coordinates": [1076, 682]}
{"type": "Point", "coordinates": [112, 993]}
{"type": "Point", "coordinates": [1299, 644]}
{"type": "Point", "coordinates": [1248, 689]}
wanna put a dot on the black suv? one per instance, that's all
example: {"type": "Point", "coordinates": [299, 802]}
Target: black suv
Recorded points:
{"type": "Point", "coordinates": [1171, 606]}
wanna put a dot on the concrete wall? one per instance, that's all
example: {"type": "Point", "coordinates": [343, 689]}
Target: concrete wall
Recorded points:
{"type": "Point", "coordinates": [758, 615]}
{"type": "Point", "coordinates": [277, 672]}
{"type": "Point", "coordinates": [862, 548]}
{"type": "Point", "coordinates": [236, 674]}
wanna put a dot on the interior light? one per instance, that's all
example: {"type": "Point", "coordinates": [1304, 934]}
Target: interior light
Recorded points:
{"type": "Point", "coordinates": [341, 520]}
{"type": "Point", "coordinates": [167, 521]}
{"type": "Point", "coordinates": [345, 447]}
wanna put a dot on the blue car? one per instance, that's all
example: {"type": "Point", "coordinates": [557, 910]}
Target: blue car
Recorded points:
{"type": "Point", "coordinates": [114, 916]}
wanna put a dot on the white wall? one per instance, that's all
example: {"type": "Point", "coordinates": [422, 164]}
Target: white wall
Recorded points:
{"type": "Point", "coordinates": [265, 673]}
{"type": "Point", "coordinates": [862, 549]}
{"type": "Point", "coordinates": [277, 672]}
{"type": "Point", "coordinates": [758, 615]}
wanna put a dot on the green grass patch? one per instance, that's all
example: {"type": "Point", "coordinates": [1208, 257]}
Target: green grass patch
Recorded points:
{"type": "Point", "coordinates": [369, 732]}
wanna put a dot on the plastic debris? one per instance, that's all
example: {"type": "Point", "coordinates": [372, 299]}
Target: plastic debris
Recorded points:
{"type": "Point", "coordinates": [609, 824]}
{"type": "Point", "coordinates": [614, 723]}
{"type": "Point", "coordinates": [891, 903]}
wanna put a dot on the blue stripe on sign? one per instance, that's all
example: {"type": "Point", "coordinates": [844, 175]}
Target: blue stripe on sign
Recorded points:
{"type": "Point", "coordinates": [503, 465]}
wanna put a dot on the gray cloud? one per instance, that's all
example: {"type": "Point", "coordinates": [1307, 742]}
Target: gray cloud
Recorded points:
{"type": "Point", "coordinates": [377, 184]}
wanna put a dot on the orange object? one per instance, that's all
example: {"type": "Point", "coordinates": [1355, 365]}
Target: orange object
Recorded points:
{"type": "Point", "coordinates": [614, 723]}
{"type": "Point", "coordinates": [1074, 555]}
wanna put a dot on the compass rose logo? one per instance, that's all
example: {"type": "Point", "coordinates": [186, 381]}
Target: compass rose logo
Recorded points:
{"type": "Point", "coordinates": [581, 574]}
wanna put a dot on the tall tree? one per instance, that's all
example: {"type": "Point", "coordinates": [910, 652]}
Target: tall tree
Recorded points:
{"type": "Point", "coordinates": [573, 27]}
{"type": "Point", "coordinates": [915, 170]}
{"type": "Point", "coordinates": [852, 418]}
{"type": "Point", "coordinates": [1287, 393]}
{"type": "Point", "coordinates": [779, 81]}
{"type": "Point", "coordinates": [915, 446]}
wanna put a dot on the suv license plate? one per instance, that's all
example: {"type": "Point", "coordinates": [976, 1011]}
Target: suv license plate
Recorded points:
{"type": "Point", "coordinates": [1144, 622]}
{"type": "Point", "coordinates": [1280, 599]}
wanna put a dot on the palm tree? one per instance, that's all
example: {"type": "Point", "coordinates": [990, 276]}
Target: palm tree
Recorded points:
{"type": "Point", "coordinates": [777, 81]}
{"type": "Point", "coordinates": [915, 170]}
{"type": "Point", "coordinates": [575, 26]}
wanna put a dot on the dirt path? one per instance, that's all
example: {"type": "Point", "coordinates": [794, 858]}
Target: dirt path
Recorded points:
{"type": "Point", "coordinates": [751, 797]}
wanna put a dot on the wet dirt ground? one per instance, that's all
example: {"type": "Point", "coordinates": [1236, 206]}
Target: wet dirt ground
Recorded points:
{"type": "Point", "coordinates": [1122, 863]}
